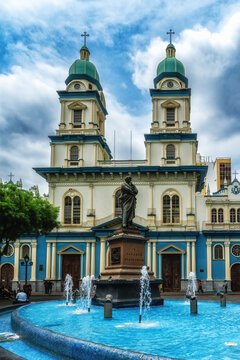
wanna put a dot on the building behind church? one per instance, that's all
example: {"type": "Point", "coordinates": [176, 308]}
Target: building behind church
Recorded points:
{"type": "Point", "coordinates": [187, 206]}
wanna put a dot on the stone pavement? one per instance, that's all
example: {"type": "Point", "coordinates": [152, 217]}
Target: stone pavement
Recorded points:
{"type": "Point", "coordinates": [231, 297]}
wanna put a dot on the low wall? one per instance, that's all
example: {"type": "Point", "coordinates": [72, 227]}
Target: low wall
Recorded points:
{"type": "Point", "coordinates": [73, 348]}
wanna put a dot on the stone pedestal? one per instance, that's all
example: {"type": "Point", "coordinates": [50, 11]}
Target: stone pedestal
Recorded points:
{"type": "Point", "coordinates": [121, 278]}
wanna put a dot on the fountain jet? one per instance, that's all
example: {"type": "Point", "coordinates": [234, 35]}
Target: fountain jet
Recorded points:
{"type": "Point", "coordinates": [145, 292]}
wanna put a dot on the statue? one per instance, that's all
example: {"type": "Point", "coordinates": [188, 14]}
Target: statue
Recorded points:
{"type": "Point", "coordinates": [128, 201]}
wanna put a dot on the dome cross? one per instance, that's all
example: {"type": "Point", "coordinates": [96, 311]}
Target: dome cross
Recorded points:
{"type": "Point", "coordinates": [85, 36]}
{"type": "Point", "coordinates": [11, 176]}
{"type": "Point", "coordinates": [170, 32]}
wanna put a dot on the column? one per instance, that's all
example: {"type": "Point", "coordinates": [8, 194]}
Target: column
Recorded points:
{"type": "Point", "coordinates": [154, 269]}
{"type": "Point", "coordinates": [53, 270]}
{"type": "Point", "coordinates": [91, 198]}
{"type": "Point", "coordinates": [149, 256]}
{"type": "Point", "coordinates": [188, 258]}
{"type": "Point", "coordinates": [102, 255]}
{"type": "Point", "coordinates": [16, 260]}
{"type": "Point", "coordinates": [81, 259]}
{"type": "Point", "coordinates": [151, 197]}
{"type": "Point", "coordinates": [34, 260]}
{"type": "Point", "coordinates": [193, 257]}
{"type": "Point", "coordinates": [227, 260]}
{"type": "Point", "coordinates": [88, 259]}
{"type": "Point", "coordinates": [48, 265]}
{"type": "Point", "coordinates": [52, 155]}
{"type": "Point", "coordinates": [182, 275]}
{"type": "Point", "coordinates": [59, 266]}
{"type": "Point", "coordinates": [93, 259]}
{"type": "Point", "coordinates": [160, 266]}
{"type": "Point", "coordinates": [209, 259]}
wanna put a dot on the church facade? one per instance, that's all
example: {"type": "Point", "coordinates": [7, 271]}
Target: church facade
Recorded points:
{"type": "Point", "coordinates": [188, 228]}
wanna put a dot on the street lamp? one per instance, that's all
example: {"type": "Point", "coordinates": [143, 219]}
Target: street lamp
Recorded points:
{"type": "Point", "coordinates": [26, 263]}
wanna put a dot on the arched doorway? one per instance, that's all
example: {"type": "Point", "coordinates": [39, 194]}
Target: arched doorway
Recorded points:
{"type": "Point", "coordinates": [7, 272]}
{"type": "Point", "coordinates": [235, 277]}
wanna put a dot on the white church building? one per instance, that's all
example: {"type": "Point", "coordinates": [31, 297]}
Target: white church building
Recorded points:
{"type": "Point", "coordinates": [188, 228]}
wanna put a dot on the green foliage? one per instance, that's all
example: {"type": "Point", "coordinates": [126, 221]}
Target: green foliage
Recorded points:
{"type": "Point", "coordinates": [24, 212]}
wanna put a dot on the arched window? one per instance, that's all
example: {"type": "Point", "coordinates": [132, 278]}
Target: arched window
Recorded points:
{"type": "Point", "coordinates": [218, 252]}
{"type": "Point", "coordinates": [170, 151]}
{"type": "Point", "coordinates": [238, 215]}
{"type": "Point", "coordinates": [214, 215]}
{"type": "Point", "coordinates": [74, 153]}
{"type": "Point", "coordinates": [220, 216]}
{"type": "Point", "coordinates": [118, 208]}
{"type": "Point", "coordinates": [72, 210]}
{"type": "Point", "coordinates": [25, 251]}
{"type": "Point", "coordinates": [67, 210]}
{"type": "Point", "coordinates": [76, 210]}
{"type": "Point", "coordinates": [171, 209]}
{"type": "Point", "coordinates": [232, 215]}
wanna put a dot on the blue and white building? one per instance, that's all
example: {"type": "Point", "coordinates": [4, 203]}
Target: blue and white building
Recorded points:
{"type": "Point", "coordinates": [188, 227]}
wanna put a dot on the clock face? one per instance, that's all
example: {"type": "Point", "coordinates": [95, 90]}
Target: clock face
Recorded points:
{"type": "Point", "coordinates": [236, 250]}
{"type": "Point", "coordinates": [77, 86]}
{"type": "Point", "coordinates": [169, 84]}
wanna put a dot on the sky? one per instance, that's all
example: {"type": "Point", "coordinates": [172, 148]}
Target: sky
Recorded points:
{"type": "Point", "coordinates": [39, 40]}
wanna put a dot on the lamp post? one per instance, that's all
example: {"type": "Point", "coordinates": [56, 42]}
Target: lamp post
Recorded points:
{"type": "Point", "coordinates": [26, 263]}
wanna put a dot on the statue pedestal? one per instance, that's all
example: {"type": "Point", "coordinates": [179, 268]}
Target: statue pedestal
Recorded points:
{"type": "Point", "coordinates": [121, 278]}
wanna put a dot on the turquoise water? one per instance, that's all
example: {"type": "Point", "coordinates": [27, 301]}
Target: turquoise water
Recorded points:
{"type": "Point", "coordinates": [20, 347]}
{"type": "Point", "coordinates": [167, 330]}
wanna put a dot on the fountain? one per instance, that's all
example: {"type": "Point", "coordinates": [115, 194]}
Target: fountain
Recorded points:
{"type": "Point", "coordinates": [68, 285]}
{"type": "Point", "coordinates": [145, 292]}
{"type": "Point", "coordinates": [86, 290]}
{"type": "Point", "coordinates": [191, 292]}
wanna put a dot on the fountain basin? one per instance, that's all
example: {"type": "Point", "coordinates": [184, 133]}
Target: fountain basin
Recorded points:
{"type": "Point", "coordinates": [167, 330]}
{"type": "Point", "coordinates": [73, 348]}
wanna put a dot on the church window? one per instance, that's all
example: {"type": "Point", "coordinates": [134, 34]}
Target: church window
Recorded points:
{"type": "Point", "coordinates": [214, 215]}
{"type": "Point", "coordinates": [77, 118]}
{"type": "Point", "coordinates": [25, 251]}
{"type": "Point", "coordinates": [72, 210]}
{"type": "Point", "coordinates": [220, 215]}
{"type": "Point", "coordinates": [76, 210]}
{"type": "Point", "coordinates": [67, 210]}
{"type": "Point", "coordinates": [118, 208]}
{"type": "Point", "coordinates": [232, 215]}
{"type": "Point", "coordinates": [74, 153]}
{"type": "Point", "coordinates": [171, 209]}
{"type": "Point", "coordinates": [170, 151]}
{"type": "Point", "coordinates": [218, 252]}
{"type": "Point", "coordinates": [170, 118]}
{"type": "Point", "coordinates": [238, 215]}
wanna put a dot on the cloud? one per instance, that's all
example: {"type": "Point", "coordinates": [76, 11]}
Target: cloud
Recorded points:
{"type": "Point", "coordinates": [211, 61]}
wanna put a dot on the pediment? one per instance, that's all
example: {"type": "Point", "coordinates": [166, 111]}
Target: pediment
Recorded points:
{"type": "Point", "coordinates": [171, 249]}
{"type": "Point", "coordinates": [77, 105]}
{"type": "Point", "coordinates": [170, 104]}
{"type": "Point", "coordinates": [70, 249]}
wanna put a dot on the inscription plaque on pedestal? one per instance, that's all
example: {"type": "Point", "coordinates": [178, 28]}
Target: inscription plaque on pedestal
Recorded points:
{"type": "Point", "coordinates": [115, 256]}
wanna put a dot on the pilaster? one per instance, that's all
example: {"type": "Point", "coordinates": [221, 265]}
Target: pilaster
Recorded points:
{"type": "Point", "coordinates": [209, 259]}
{"type": "Point", "coordinates": [93, 259]}
{"type": "Point", "coordinates": [53, 269]}
{"type": "Point", "coordinates": [48, 261]}
{"type": "Point", "coordinates": [227, 260]}
{"type": "Point", "coordinates": [16, 260]}
{"type": "Point", "coordinates": [102, 254]}
{"type": "Point", "coordinates": [34, 260]}
{"type": "Point", "coordinates": [188, 259]}
{"type": "Point", "coordinates": [88, 259]}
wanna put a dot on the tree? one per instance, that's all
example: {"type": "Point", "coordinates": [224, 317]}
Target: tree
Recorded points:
{"type": "Point", "coordinates": [24, 212]}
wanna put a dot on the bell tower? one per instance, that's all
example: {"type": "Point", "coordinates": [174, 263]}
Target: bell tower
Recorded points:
{"type": "Point", "coordinates": [171, 141]}
{"type": "Point", "coordinates": [80, 137]}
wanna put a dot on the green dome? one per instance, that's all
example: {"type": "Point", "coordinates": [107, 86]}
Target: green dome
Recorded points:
{"type": "Point", "coordinates": [170, 64]}
{"type": "Point", "coordinates": [84, 67]}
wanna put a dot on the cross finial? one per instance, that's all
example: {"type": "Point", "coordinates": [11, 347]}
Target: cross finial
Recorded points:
{"type": "Point", "coordinates": [85, 36]}
{"type": "Point", "coordinates": [235, 173]}
{"type": "Point", "coordinates": [11, 176]}
{"type": "Point", "coordinates": [170, 32]}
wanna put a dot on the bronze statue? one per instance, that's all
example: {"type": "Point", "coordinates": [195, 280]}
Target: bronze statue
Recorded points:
{"type": "Point", "coordinates": [128, 201]}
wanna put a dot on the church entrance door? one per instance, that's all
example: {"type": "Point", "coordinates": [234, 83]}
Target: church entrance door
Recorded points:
{"type": "Point", "coordinates": [235, 277]}
{"type": "Point", "coordinates": [171, 267]}
{"type": "Point", "coordinates": [71, 266]}
{"type": "Point", "coordinates": [7, 272]}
